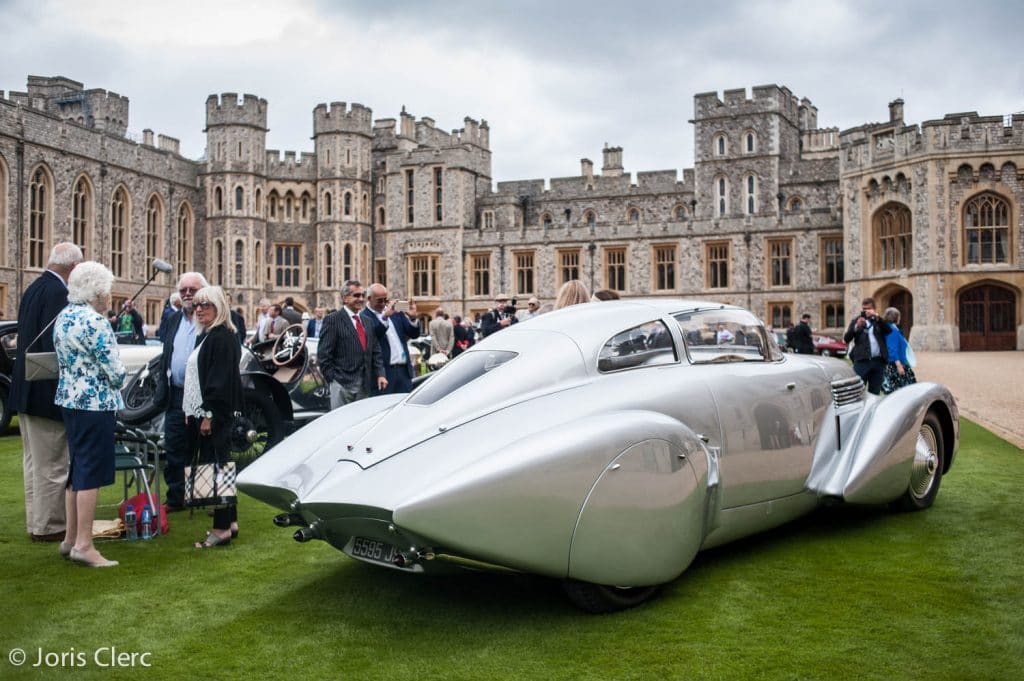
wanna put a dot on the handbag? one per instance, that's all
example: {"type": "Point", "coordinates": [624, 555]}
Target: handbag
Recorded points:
{"type": "Point", "coordinates": [210, 484]}
{"type": "Point", "coordinates": [41, 366]}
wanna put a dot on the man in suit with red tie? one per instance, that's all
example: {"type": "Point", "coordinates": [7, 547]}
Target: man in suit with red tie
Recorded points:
{"type": "Point", "coordinates": [349, 353]}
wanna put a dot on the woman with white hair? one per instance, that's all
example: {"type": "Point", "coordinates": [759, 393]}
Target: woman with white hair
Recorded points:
{"type": "Point", "coordinates": [88, 393]}
{"type": "Point", "coordinates": [213, 393]}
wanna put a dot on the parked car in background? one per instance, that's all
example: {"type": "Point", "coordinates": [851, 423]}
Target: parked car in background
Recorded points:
{"type": "Point", "coordinates": [8, 351]}
{"type": "Point", "coordinates": [604, 446]}
{"type": "Point", "coordinates": [829, 346]}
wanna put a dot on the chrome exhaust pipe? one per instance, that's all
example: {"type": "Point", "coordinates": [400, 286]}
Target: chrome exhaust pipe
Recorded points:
{"type": "Point", "coordinates": [305, 534]}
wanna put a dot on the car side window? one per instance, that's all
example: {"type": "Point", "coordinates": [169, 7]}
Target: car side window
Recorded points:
{"type": "Point", "coordinates": [644, 345]}
{"type": "Point", "coordinates": [714, 336]}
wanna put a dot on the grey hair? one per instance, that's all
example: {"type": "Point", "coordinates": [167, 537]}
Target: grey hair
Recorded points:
{"type": "Point", "coordinates": [891, 315]}
{"type": "Point", "coordinates": [176, 299]}
{"type": "Point", "coordinates": [346, 288]}
{"type": "Point", "coordinates": [215, 295]}
{"type": "Point", "coordinates": [202, 280]}
{"type": "Point", "coordinates": [89, 282]}
{"type": "Point", "coordinates": [65, 254]}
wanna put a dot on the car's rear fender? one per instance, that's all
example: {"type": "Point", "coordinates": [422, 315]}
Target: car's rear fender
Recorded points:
{"type": "Point", "coordinates": [268, 385]}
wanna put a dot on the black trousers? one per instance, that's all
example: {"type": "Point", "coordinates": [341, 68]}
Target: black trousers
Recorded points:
{"type": "Point", "coordinates": [872, 372]}
{"type": "Point", "coordinates": [176, 449]}
{"type": "Point", "coordinates": [213, 448]}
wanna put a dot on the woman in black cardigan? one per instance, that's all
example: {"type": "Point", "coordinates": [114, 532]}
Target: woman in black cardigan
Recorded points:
{"type": "Point", "coordinates": [213, 393]}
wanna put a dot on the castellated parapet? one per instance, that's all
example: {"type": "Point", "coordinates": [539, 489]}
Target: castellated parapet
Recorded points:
{"type": "Point", "coordinates": [290, 165]}
{"type": "Point", "coordinates": [763, 99]}
{"type": "Point", "coordinates": [226, 109]}
{"type": "Point", "coordinates": [338, 117]}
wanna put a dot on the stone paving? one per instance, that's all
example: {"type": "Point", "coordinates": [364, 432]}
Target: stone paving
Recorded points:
{"type": "Point", "coordinates": [988, 386]}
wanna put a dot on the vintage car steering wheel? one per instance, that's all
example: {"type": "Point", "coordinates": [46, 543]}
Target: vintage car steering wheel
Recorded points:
{"type": "Point", "coordinates": [288, 345]}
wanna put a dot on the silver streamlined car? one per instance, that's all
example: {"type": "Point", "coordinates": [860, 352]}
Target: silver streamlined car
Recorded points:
{"type": "Point", "coordinates": [605, 445]}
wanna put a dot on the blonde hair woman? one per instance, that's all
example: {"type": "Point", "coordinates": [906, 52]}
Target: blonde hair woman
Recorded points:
{"type": "Point", "coordinates": [573, 292]}
{"type": "Point", "coordinates": [213, 393]}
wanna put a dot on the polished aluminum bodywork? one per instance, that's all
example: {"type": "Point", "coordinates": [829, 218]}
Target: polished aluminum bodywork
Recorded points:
{"type": "Point", "coordinates": [563, 463]}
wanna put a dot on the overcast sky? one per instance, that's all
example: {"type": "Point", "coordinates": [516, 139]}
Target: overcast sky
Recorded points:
{"type": "Point", "coordinates": [555, 80]}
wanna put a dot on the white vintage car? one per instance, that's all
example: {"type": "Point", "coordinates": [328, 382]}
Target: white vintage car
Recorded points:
{"type": "Point", "coordinates": [604, 445]}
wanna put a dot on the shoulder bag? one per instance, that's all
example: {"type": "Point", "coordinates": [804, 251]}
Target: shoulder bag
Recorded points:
{"type": "Point", "coordinates": [41, 366]}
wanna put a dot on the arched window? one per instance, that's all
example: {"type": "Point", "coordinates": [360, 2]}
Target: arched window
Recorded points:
{"type": "Point", "coordinates": [795, 204]}
{"type": "Point", "coordinates": [218, 199]}
{"type": "Point", "coordinates": [679, 213]}
{"type": "Point", "coordinates": [380, 216]}
{"type": "Point", "coordinates": [589, 218]}
{"type": "Point", "coordinates": [893, 240]}
{"type": "Point", "coordinates": [305, 207]}
{"type": "Point", "coordinates": [750, 143]}
{"type": "Point", "coordinates": [722, 196]}
{"type": "Point", "coordinates": [154, 225]}
{"type": "Point", "coordinates": [633, 216]}
{"type": "Point", "coordinates": [364, 263]}
{"type": "Point", "coordinates": [366, 209]}
{"type": "Point", "coordinates": [3, 206]}
{"type": "Point", "coordinates": [81, 213]}
{"type": "Point", "coordinates": [40, 217]}
{"type": "Point", "coordinates": [259, 203]}
{"type": "Point", "coordinates": [347, 207]}
{"type": "Point", "coordinates": [239, 262]}
{"type": "Point", "coordinates": [218, 262]}
{"type": "Point", "coordinates": [346, 269]}
{"type": "Point", "coordinates": [119, 212]}
{"type": "Point", "coordinates": [272, 201]}
{"type": "Point", "coordinates": [751, 194]}
{"type": "Point", "coordinates": [288, 206]}
{"type": "Point", "coordinates": [239, 196]}
{"type": "Point", "coordinates": [327, 204]}
{"type": "Point", "coordinates": [546, 220]}
{"type": "Point", "coordinates": [987, 229]}
{"type": "Point", "coordinates": [328, 266]}
{"type": "Point", "coordinates": [257, 264]}
{"type": "Point", "coordinates": [184, 229]}
{"type": "Point", "coordinates": [720, 146]}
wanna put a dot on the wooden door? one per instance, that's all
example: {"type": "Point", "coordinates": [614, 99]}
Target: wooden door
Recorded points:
{"type": "Point", "coordinates": [988, 318]}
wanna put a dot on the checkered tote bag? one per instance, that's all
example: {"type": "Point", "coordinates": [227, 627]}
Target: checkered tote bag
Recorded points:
{"type": "Point", "coordinates": [210, 484]}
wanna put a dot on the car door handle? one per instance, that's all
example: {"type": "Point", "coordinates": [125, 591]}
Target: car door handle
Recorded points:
{"type": "Point", "coordinates": [791, 386]}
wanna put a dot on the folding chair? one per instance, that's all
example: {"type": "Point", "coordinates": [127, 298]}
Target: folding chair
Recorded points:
{"type": "Point", "coordinates": [137, 455]}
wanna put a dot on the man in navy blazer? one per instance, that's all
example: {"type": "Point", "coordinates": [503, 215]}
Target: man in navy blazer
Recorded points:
{"type": "Point", "coordinates": [179, 340]}
{"type": "Point", "coordinates": [349, 351]}
{"type": "Point", "coordinates": [44, 441]}
{"type": "Point", "coordinates": [394, 329]}
{"type": "Point", "coordinates": [316, 325]}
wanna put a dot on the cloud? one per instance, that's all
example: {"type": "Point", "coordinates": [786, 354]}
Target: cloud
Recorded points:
{"type": "Point", "coordinates": [555, 80]}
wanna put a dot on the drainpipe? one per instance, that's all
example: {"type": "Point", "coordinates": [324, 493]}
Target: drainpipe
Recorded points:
{"type": "Point", "coordinates": [19, 152]}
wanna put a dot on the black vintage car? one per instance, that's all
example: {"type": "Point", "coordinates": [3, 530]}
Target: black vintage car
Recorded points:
{"type": "Point", "coordinates": [8, 351]}
{"type": "Point", "coordinates": [283, 391]}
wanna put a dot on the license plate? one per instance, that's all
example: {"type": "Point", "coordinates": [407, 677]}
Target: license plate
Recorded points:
{"type": "Point", "coordinates": [373, 550]}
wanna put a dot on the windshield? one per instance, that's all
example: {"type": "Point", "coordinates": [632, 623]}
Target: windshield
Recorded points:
{"type": "Point", "coordinates": [723, 336]}
{"type": "Point", "coordinates": [467, 368]}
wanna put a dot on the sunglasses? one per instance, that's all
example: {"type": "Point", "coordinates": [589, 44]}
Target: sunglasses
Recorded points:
{"type": "Point", "coordinates": [356, 295]}
{"type": "Point", "coordinates": [187, 289]}
{"type": "Point", "coordinates": [204, 305]}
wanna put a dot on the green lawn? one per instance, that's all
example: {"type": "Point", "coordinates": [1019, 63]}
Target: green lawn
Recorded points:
{"type": "Point", "coordinates": [848, 593]}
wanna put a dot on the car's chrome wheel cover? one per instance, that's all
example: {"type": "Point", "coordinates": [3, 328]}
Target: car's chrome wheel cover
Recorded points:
{"type": "Point", "coordinates": [926, 463]}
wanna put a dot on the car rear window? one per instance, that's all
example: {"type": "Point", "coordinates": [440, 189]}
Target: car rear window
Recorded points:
{"type": "Point", "coordinates": [648, 344]}
{"type": "Point", "coordinates": [467, 368]}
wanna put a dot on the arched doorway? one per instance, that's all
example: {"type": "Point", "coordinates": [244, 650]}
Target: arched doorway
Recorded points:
{"type": "Point", "coordinates": [903, 300]}
{"type": "Point", "coordinates": [988, 318]}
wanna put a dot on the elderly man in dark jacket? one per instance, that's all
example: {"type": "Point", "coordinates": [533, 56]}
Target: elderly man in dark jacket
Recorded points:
{"type": "Point", "coordinates": [44, 441]}
{"type": "Point", "coordinates": [349, 351]}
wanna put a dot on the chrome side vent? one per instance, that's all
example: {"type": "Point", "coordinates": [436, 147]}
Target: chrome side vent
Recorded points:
{"type": "Point", "coordinates": [847, 391]}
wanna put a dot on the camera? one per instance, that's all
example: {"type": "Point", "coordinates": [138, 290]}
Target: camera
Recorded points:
{"type": "Point", "coordinates": [509, 310]}
{"type": "Point", "coordinates": [863, 314]}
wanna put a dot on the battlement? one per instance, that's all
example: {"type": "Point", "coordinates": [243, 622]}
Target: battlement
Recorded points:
{"type": "Point", "coordinates": [818, 140]}
{"type": "Point", "coordinates": [291, 159]}
{"type": "Point", "coordinates": [762, 99]}
{"type": "Point", "coordinates": [227, 109]}
{"type": "Point", "coordinates": [963, 132]}
{"type": "Point", "coordinates": [339, 117]}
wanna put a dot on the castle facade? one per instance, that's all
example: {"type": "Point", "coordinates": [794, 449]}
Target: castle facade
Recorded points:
{"type": "Point", "coordinates": [777, 214]}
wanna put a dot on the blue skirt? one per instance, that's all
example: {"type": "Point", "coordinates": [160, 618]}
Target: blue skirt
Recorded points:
{"type": "Point", "coordinates": [91, 445]}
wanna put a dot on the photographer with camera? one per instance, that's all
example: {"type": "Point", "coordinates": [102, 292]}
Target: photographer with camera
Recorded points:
{"type": "Point", "coordinates": [502, 315]}
{"type": "Point", "coordinates": [868, 332]}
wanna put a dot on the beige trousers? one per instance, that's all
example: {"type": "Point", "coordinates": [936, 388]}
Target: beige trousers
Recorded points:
{"type": "Point", "coordinates": [46, 461]}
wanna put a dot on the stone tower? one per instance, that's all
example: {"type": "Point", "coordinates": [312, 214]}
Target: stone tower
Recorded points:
{"type": "Point", "coordinates": [343, 139]}
{"type": "Point", "coordinates": [234, 186]}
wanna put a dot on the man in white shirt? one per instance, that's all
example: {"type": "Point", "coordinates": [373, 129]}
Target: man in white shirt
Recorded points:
{"type": "Point", "coordinates": [262, 322]}
{"type": "Point", "coordinates": [394, 329]}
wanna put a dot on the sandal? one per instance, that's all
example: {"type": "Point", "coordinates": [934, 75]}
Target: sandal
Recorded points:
{"type": "Point", "coordinates": [212, 540]}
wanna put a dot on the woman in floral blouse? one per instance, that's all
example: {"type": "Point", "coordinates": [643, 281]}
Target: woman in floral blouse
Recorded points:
{"type": "Point", "coordinates": [90, 377]}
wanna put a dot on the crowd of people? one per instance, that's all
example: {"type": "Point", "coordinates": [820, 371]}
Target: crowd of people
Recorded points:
{"type": "Point", "coordinates": [67, 422]}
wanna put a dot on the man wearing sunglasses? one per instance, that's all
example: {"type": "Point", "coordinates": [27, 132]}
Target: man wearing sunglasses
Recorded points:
{"type": "Point", "coordinates": [179, 342]}
{"type": "Point", "coordinates": [349, 351]}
